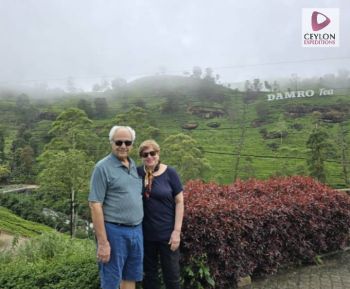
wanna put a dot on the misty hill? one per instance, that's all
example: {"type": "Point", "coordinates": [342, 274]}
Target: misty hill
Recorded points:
{"type": "Point", "coordinates": [246, 134]}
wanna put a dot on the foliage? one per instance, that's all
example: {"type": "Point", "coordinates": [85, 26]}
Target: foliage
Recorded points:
{"type": "Point", "coordinates": [64, 171]}
{"type": "Point", "coordinates": [32, 207]}
{"type": "Point", "coordinates": [85, 105]}
{"type": "Point", "coordinates": [73, 130]}
{"type": "Point", "coordinates": [101, 107]}
{"type": "Point", "coordinates": [317, 143]}
{"type": "Point", "coordinates": [196, 275]}
{"type": "Point", "coordinates": [170, 104]}
{"type": "Point", "coordinates": [51, 261]}
{"type": "Point", "coordinates": [26, 112]}
{"type": "Point", "coordinates": [255, 227]}
{"type": "Point", "coordinates": [139, 119]}
{"type": "Point", "coordinates": [4, 174]}
{"type": "Point", "coordinates": [65, 177]}
{"type": "Point", "coordinates": [2, 145]}
{"type": "Point", "coordinates": [66, 163]}
{"type": "Point", "coordinates": [22, 156]}
{"type": "Point", "coordinates": [219, 144]}
{"type": "Point", "coordinates": [183, 152]}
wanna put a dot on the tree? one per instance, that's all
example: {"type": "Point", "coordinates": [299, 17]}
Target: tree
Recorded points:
{"type": "Point", "coordinates": [317, 143]}
{"type": "Point", "coordinates": [281, 127]}
{"type": "Point", "coordinates": [4, 174]}
{"type": "Point", "coordinates": [22, 156]}
{"type": "Point", "coordinates": [263, 111]}
{"type": "Point", "coordinates": [257, 85]}
{"type": "Point", "coordinates": [101, 107]}
{"type": "Point", "coordinates": [65, 176]}
{"type": "Point", "coordinates": [140, 120]}
{"type": "Point", "coordinates": [102, 86]}
{"type": "Point", "coordinates": [248, 86]}
{"type": "Point", "coordinates": [185, 155]}
{"type": "Point", "coordinates": [275, 86]}
{"type": "Point", "coordinates": [73, 130]}
{"type": "Point", "coordinates": [96, 87]}
{"type": "Point", "coordinates": [2, 145]}
{"type": "Point", "coordinates": [26, 113]}
{"type": "Point", "coordinates": [294, 79]}
{"type": "Point", "coordinates": [344, 149]}
{"type": "Point", "coordinates": [267, 85]}
{"type": "Point", "coordinates": [22, 102]}
{"type": "Point", "coordinates": [85, 105]}
{"type": "Point", "coordinates": [118, 83]}
{"type": "Point", "coordinates": [209, 74]}
{"type": "Point", "coordinates": [70, 85]}
{"type": "Point", "coordinates": [196, 72]}
{"type": "Point", "coordinates": [171, 103]}
{"type": "Point", "coordinates": [27, 163]}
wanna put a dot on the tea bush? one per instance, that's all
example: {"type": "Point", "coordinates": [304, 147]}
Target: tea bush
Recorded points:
{"type": "Point", "coordinates": [50, 261]}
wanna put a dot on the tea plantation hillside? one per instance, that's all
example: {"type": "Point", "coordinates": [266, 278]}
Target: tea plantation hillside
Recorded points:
{"type": "Point", "coordinates": [14, 225]}
{"type": "Point", "coordinates": [240, 134]}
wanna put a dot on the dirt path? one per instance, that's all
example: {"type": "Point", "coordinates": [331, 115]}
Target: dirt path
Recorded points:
{"type": "Point", "coordinates": [6, 240]}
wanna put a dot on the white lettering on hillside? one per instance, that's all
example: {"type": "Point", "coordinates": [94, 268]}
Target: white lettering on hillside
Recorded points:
{"type": "Point", "coordinates": [298, 93]}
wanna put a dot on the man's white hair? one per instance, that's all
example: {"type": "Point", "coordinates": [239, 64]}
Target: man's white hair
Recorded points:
{"type": "Point", "coordinates": [115, 128]}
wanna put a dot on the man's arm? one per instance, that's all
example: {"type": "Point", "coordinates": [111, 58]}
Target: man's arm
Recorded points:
{"type": "Point", "coordinates": [103, 247]}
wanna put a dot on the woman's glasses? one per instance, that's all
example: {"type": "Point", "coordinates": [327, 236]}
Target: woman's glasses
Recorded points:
{"type": "Point", "coordinates": [119, 143]}
{"type": "Point", "coordinates": [151, 153]}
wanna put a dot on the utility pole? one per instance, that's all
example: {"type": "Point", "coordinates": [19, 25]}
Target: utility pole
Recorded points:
{"type": "Point", "coordinates": [240, 144]}
{"type": "Point", "coordinates": [343, 147]}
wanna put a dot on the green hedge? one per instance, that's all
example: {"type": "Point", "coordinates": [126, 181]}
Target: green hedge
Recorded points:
{"type": "Point", "coordinates": [50, 261]}
{"type": "Point", "coordinates": [59, 274]}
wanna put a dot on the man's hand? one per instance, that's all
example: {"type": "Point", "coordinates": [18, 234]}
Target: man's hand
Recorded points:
{"type": "Point", "coordinates": [174, 241]}
{"type": "Point", "coordinates": [103, 252]}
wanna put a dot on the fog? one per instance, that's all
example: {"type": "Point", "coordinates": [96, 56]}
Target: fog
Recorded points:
{"type": "Point", "coordinates": [48, 41]}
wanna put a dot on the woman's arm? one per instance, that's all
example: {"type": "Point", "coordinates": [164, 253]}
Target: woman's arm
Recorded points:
{"type": "Point", "coordinates": [179, 214]}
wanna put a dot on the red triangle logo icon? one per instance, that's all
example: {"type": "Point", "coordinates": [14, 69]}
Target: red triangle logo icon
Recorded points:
{"type": "Point", "coordinates": [318, 26]}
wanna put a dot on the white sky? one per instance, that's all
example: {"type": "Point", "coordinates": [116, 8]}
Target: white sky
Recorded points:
{"type": "Point", "coordinates": [51, 40]}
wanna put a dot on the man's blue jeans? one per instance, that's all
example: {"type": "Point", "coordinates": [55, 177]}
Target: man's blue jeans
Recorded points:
{"type": "Point", "coordinates": [126, 256]}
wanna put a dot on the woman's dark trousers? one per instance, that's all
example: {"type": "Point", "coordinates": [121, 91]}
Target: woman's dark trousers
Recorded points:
{"type": "Point", "coordinates": [169, 261]}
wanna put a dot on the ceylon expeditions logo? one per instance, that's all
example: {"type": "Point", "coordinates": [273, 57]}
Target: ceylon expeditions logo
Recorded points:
{"type": "Point", "coordinates": [320, 27]}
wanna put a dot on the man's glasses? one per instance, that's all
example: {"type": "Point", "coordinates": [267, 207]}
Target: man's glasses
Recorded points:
{"type": "Point", "coordinates": [119, 143]}
{"type": "Point", "coordinates": [145, 155]}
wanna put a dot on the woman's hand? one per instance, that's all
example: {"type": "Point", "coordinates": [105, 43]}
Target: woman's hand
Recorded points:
{"type": "Point", "coordinates": [174, 241]}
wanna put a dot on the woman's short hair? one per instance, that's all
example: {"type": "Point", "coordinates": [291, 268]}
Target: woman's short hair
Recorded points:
{"type": "Point", "coordinates": [115, 128]}
{"type": "Point", "coordinates": [150, 143]}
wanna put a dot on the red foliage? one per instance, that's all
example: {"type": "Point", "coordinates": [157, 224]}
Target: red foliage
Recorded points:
{"type": "Point", "coordinates": [254, 227]}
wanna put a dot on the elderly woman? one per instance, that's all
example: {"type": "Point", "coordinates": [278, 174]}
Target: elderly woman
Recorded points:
{"type": "Point", "coordinates": [163, 213]}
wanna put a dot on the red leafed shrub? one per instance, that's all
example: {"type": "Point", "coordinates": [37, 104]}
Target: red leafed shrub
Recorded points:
{"type": "Point", "coordinates": [254, 227]}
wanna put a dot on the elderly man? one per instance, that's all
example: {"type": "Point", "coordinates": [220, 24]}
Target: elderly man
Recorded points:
{"type": "Point", "coordinates": [116, 208]}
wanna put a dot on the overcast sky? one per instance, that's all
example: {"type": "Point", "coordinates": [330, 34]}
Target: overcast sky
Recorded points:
{"type": "Point", "coordinates": [51, 40]}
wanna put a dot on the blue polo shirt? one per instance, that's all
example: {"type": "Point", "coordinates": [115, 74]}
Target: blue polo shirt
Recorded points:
{"type": "Point", "coordinates": [119, 189]}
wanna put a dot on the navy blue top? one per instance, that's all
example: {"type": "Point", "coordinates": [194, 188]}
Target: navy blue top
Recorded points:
{"type": "Point", "coordinates": [159, 207]}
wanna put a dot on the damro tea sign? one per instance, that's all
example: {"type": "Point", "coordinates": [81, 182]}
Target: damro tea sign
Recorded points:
{"type": "Point", "coordinates": [299, 93]}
